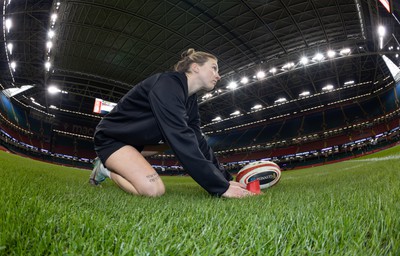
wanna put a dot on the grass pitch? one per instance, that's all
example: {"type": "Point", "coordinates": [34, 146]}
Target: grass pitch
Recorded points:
{"type": "Point", "coordinates": [348, 208]}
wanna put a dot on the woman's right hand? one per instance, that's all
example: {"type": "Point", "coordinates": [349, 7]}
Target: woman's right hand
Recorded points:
{"type": "Point", "coordinates": [235, 191]}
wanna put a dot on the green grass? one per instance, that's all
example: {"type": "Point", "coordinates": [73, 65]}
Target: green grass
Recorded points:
{"type": "Point", "coordinates": [348, 208]}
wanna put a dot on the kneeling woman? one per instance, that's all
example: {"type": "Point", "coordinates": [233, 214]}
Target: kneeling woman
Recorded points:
{"type": "Point", "coordinates": [162, 107]}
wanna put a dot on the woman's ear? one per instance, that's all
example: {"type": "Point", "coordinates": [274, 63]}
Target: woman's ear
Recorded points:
{"type": "Point", "coordinates": [194, 67]}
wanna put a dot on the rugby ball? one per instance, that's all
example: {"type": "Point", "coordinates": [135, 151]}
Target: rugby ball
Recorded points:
{"type": "Point", "coordinates": [267, 172]}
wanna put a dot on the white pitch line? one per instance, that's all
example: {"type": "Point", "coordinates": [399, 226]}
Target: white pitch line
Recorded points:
{"type": "Point", "coordinates": [377, 159]}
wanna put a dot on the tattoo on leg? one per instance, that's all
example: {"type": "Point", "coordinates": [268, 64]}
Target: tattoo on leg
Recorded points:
{"type": "Point", "coordinates": [153, 177]}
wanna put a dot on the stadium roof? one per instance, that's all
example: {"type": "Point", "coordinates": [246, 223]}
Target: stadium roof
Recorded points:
{"type": "Point", "coordinates": [101, 49]}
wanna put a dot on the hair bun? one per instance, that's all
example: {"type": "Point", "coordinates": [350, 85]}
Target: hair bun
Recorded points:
{"type": "Point", "coordinates": [187, 53]}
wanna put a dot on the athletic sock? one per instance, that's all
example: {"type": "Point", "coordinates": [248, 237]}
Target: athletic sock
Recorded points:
{"type": "Point", "coordinates": [105, 171]}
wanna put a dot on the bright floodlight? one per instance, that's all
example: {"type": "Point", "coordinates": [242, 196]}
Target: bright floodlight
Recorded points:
{"type": "Point", "coordinates": [260, 74]}
{"type": "Point", "coordinates": [288, 65]}
{"type": "Point", "coordinates": [232, 85]}
{"type": "Point", "coordinates": [244, 80]}
{"type": "Point", "coordinates": [381, 31]}
{"type": "Point", "coordinates": [206, 96]}
{"type": "Point", "coordinates": [237, 112]}
{"type": "Point", "coordinates": [258, 106]}
{"type": "Point", "coordinates": [10, 47]}
{"type": "Point", "coordinates": [331, 54]}
{"type": "Point", "coordinates": [53, 90]}
{"type": "Point", "coordinates": [327, 88]}
{"type": "Point", "coordinates": [304, 60]}
{"type": "Point", "coordinates": [318, 57]}
{"type": "Point", "coordinates": [272, 70]}
{"type": "Point", "coordinates": [49, 45]}
{"type": "Point", "coordinates": [218, 118]}
{"type": "Point", "coordinates": [349, 82]}
{"type": "Point", "coordinates": [54, 17]}
{"type": "Point", "coordinates": [280, 100]}
{"type": "Point", "coordinates": [13, 65]}
{"type": "Point", "coordinates": [47, 65]}
{"type": "Point", "coordinates": [303, 94]}
{"type": "Point", "coordinates": [8, 25]}
{"type": "Point", "coordinates": [345, 51]}
{"type": "Point", "coordinates": [51, 34]}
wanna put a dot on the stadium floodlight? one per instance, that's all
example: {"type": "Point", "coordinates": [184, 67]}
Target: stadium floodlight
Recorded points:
{"type": "Point", "coordinates": [13, 65]}
{"type": "Point", "coordinates": [318, 57]}
{"type": "Point", "coordinates": [244, 80]}
{"type": "Point", "coordinates": [237, 112]}
{"type": "Point", "coordinates": [53, 89]}
{"type": "Point", "coordinates": [260, 74]}
{"type": "Point", "coordinates": [305, 93]}
{"type": "Point", "coordinates": [280, 100]}
{"type": "Point", "coordinates": [49, 45]}
{"type": "Point", "coordinates": [345, 51]}
{"type": "Point", "coordinates": [349, 82]}
{"type": "Point", "coordinates": [329, 87]}
{"type": "Point", "coordinates": [304, 60]}
{"type": "Point", "coordinates": [51, 34]}
{"type": "Point", "coordinates": [272, 70]}
{"type": "Point", "coordinates": [10, 47]}
{"type": "Point", "coordinates": [331, 53]}
{"type": "Point", "coordinates": [47, 65]}
{"type": "Point", "coordinates": [8, 25]}
{"type": "Point", "coordinates": [258, 106]}
{"type": "Point", "coordinates": [218, 118]}
{"type": "Point", "coordinates": [288, 65]}
{"type": "Point", "coordinates": [381, 31]}
{"type": "Point", "coordinates": [232, 85]}
{"type": "Point", "coordinates": [206, 96]}
{"type": "Point", "coordinates": [54, 17]}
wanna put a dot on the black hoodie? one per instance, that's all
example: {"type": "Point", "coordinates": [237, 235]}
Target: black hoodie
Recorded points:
{"type": "Point", "coordinates": [159, 108]}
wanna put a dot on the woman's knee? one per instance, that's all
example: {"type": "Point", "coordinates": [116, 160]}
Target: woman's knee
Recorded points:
{"type": "Point", "coordinates": [152, 190]}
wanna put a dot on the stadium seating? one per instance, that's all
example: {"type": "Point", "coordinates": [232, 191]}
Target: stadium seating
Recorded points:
{"type": "Point", "coordinates": [309, 131]}
{"type": "Point", "coordinates": [313, 123]}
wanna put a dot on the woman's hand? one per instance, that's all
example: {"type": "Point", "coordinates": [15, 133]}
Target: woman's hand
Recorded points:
{"type": "Point", "coordinates": [235, 183]}
{"type": "Point", "coordinates": [237, 190]}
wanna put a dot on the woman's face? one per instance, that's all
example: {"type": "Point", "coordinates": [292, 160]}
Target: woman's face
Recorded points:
{"type": "Point", "coordinates": [208, 74]}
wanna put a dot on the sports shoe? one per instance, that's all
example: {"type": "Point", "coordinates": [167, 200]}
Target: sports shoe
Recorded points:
{"type": "Point", "coordinates": [97, 176]}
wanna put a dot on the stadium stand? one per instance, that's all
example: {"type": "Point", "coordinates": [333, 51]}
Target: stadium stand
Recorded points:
{"type": "Point", "coordinates": [313, 123]}
{"type": "Point", "coordinates": [315, 137]}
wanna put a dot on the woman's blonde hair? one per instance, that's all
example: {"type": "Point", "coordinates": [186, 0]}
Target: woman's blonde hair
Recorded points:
{"type": "Point", "coordinates": [191, 56]}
